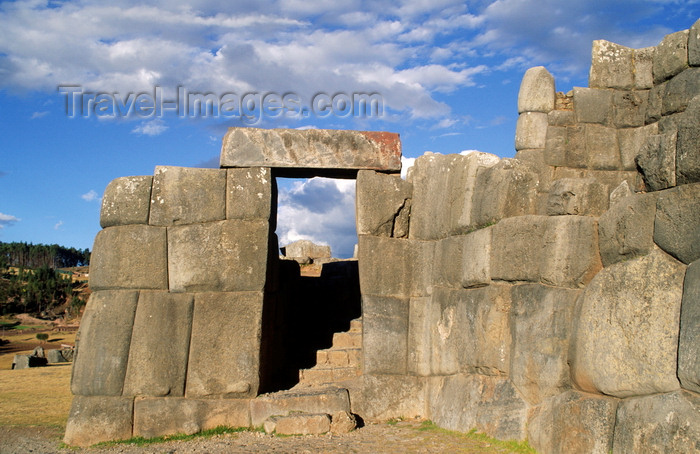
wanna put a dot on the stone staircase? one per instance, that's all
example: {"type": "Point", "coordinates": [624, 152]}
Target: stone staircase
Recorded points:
{"type": "Point", "coordinates": [339, 363]}
{"type": "Point", "coordinates": [320, 402]}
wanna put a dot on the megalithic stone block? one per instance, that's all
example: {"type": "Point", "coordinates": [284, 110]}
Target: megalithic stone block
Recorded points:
{"type": "Point", "coordinates": [339, 153]}
{"type": "Point", "coordinates": [126, 201]}
{"type": "Point", "coordinates": [96, 419]}
{"type": "Point", "coordinates": [536, 91]}
{"type": "Point", "coordinates": [671, 56]}
{"type": "Point", "coordinates": [612, 66]}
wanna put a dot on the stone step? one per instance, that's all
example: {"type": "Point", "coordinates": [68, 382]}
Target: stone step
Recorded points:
{"type": "Point", "coordinates": [320, 376]}
{"type": "Point", "coordinates": [347, 340]}
{"type": "Point", "coordinates": [355, 326]}
{"type": "Point", "coordinates": [341, 357]}
{"type": "Point", "coordinates": [327, 400]}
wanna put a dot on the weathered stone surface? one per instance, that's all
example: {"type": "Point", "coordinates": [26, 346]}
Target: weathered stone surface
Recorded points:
{"type": "Point", "coordinates": [655, 103]}
{"type": "Point", "coordinates": [103, 343]}
{"type": "Point", "coordinates": [657, 161]}
{"type": "Point", "coordinates": [602, 148]}
{"type": "Point", "coordinates": [159, 416]}
{"type": "Point", "coordinates": [689, 338]}
{"type": "Point", "coordinates": [311, 149]}
{"type": "Point", "coordinates": [668, 423]}
{"type": "Point", "coordinates": [464, 261]}
{"type": "Point", "coordinates": [626, 337]}
{"type": "Point", "coordinates": [618, 194]}
{"type": "Point", "coordinates": [627, 229]}
{"type": "Point", "coordinates": [536, 91]}
{"type": "Point", "coordinates": [517, 248]}
{"type": "Point", "coordinates": [250, 193]}
{"type": "Point", "coordinates": [183, 195]}
{"type": "Point", "coordinates": [671, 56]}
{"type": "Point", "coordinates": [343, 422]}
{"type": "Point", "coordinates": [382, 397]}
{"type": "Point", "coordinates": [95, 419]}
{"type": "Point", "coordinates": [488, 404]}
{"type": "Point", "coordinates": [419, 335]}
{"type": "Point", "coordinates": [126, 201]}
{"type": "Point", "coordinates": [583, 197]}
{"type": "Point", "coordinates": [566, 146]}
{"type": "Point", "coordinates": [300, 424]}
{"type": "Point", "coordinates": [677, 222]}
{"type": "Point", "coordinates": [159, 345]}
{"type": "Point", "coordinates": [380, 201]}
{"type": "Point", "coordinates": [385, 334]}
{"type": "Point", "coordinates": [531, 130]}
{"type": "Point", "coordinates": [218, 256]}
{"type": "Point", "coordinates": [316, 400]}
{"type": "Point", "coordinates": [631, 141]}
{"type": "Point", "coordinates": [541, 322]}
{"type": "Point", "coordinates": [629, 108]}
{"type": "Point", "coordinates": [694, 44]}
{"type": "Point", "coordinates": [643, 68]}
{"type": "Point", "coordinates": [561, 118]}
{"type": "Point", "coordinates": [688, 144]}
{"type": "Point", "coordinates": [593, 105]}
{"type": "Point", "coordinates": [679, 91]}
{"type": "Point", "coordinates": [573, 422]}
{"type": "Point", "coordinates": [129, 256]}
{"type": "Point", "coordinates": [612, 66]}
{"type": "Point", "coordinates": [58, 356]}
{"type": "Point", "coordinates": [223, 412]}
{"type": "Point", "coordinates": [224, 355]}
{"type": "Point", "coordinates": [306, 248]}
{"type": "Point", "coordinates": [507, 189]}
{"type": "Point", "coordinates": [27, 361]}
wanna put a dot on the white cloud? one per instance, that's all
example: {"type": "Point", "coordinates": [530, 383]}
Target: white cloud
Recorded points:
{"type": "Point", "coordinates": [90, 196]}
{"type": "Point", "coordinates": [7, 220]}
{"type": "Point", "coordinates": [321, 210]}
{"type": "Point", "coordinates": [151, 128]}
{"type": "Point", "coordinates": [406, 163]}
{"type": "Point", "coordinates": [58, 225]}
{"type": "Point", "coordinates": [36, 115]}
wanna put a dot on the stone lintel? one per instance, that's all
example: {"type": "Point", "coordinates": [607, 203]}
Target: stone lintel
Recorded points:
{"type": "Point", "coordinates": [312, 152]}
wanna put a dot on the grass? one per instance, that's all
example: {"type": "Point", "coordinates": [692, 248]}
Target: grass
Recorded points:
{"type": "Point", "coordinates": [519, 447]}
{"type": "Point", "coordinates": [38, 396]}
{"type": "Point", "coordinates": [141, 441]}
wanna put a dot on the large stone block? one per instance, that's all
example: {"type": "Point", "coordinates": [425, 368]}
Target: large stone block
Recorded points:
{"type": "Point", "coordinates": [629, 108]}
{"type": "Point", "coordinates": [507, 189]}
{"type": "Point", "coordinates": [183, 195]}
{"type": "Point", "coordinates": [602, 149]}
{"type": "Point", "coordinates": [251, 194]}
{"type": "Point", "coordinates": [419, 345]}
{"type": "Point", "coordinates": [688, 144]}
{"type": "Point", "coordinates": [612, 66]}
{"type": "Point", "coordinates": [566, 146]}
{"type": "Point", "coordinates": [129, 256]}
{"type": "Point", "coordinates": [531, 130]}
{"type": "Point", "coordinates": [643, 68]}
{"type": "Point", "coordinates": [671, 56]}
{"type": "Point", "coordinates": [541, 321]}
{"type": "Point", "coordinates": [321, 149]}
{"type": "Point", "coordinates": [593, 105]}
{"type": "Point", "coordinates": [677, 222]}
{"type": "Point", "coordinates": [657, 161]}
{"type": "Point", "coordinates": [384, 334]}
{"type": "Point", "coordinates": [159, 345]}
{"type": "Point", "coordinates": [627, 229]}
{"type": "Point", "coordinates": [126, 201]}
{"type": "Point", "coordinates": [224, 359]}
{"type": "Point", "coordinates": [668, 423]}
{"type": "Point", "coordinates": [220, 256]}
{"type": "Point", "coordinates": [573, 422]}
{"type": "Point", "coordinates": [299, 424]}
{"type": "Point", "coordinates": [626, 337]}
{"type": "Point", "coordinates": [382, 397]}
{"type": "Point", "coordinates": [488, 404]}
{"type": "Point", "coordinates": [575, 196]}
{"type": "Point", "coordinates": [631, 141]}
{"type": "Point", "coordinates": [517, 248]}
{"type": "Point", "coordinates": [103, 344]}
{"type": "Point", "coordinates": [96, 419]}
{"type": "Point", "coordinates": [689, 338]}
{"type": "Point", "coordinates": [306, 248]}
{"type": "Point", "coordinates": [679, 91]}
{"type": "Point", "coordinates": [464, 261]}
{"type": "Point", "coordinates": [380, 200]}
{"type": "Point", "coordinates": [156, 417]}
{"type": "Point", "coordinates": [694, 44]}
{"type": "Point", "coordinates": [536, 91]}
{"type": "Point", "coordinates": [328, 400]}
{"type": "Point", "coordinates": [223, 412]}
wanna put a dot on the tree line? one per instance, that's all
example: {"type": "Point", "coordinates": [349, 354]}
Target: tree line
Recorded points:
{"type": "Point", "coordinates": [28, 255]}
{"type": "Point", "coordinates": [38, 291]}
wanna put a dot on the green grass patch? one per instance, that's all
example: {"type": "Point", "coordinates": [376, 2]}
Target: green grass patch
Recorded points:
{"type": "Point", "coordinates": [141, 441]}
{"type": "Point", "coordinates": [519, 447]}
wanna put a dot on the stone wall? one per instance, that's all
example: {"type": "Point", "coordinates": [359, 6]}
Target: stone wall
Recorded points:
{"type": "Point", "coordinates": [552, 297]}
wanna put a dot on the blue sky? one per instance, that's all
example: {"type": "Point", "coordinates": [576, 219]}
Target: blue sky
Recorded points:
{"type": "Point", "coordinates": [447, 72]}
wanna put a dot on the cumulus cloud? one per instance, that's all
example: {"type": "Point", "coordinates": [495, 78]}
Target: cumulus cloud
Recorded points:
{"type": "Point", "coordinates": [321, 210]}
{"type": "Point", "coordinates": [90, 196]}
{"type": "Point", "coordinates": [406, 163]}
{"type": "Point", "coordinates": [58, 225]}
{"type": "Point", "coordinates": [7, 220]}
{"type": "Point", "coordinates": [151, 128]}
